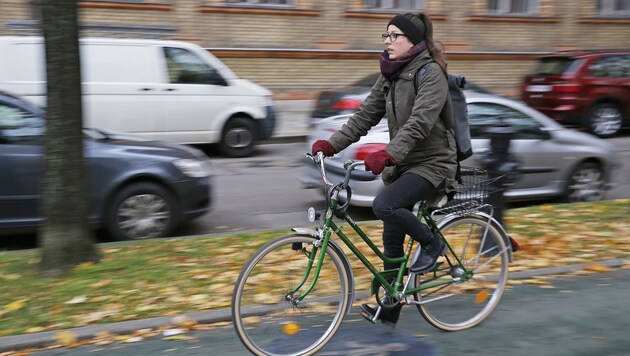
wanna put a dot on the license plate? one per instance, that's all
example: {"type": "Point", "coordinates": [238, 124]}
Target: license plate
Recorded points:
{"type": "Point", "coordinates": [539, 88]}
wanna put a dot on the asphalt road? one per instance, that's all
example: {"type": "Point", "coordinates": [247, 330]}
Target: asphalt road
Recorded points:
{"type": "Point", "coordinates": [573, 315]}
{"type": "Point", "coordinates": [264, 192]}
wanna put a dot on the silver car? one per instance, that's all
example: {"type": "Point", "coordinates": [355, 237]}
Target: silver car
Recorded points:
{"type": "Point", "coordinates": [554, 161]}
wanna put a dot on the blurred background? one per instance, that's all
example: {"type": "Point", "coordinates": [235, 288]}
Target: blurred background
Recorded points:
{"type": "Point", "coordinates": [296, 48]}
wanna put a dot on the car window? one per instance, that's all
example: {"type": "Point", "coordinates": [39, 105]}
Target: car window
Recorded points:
{"type": "Point", "coordinates": [616, 66]}
{"type": "Point", "coordinates": [483, 116]}
{"type": "Point", "coordinates": [184, 67]}
{"type": "Point", "coordinates": [19, 127]}
{"type": "Point", "coordinates": [555, 66]}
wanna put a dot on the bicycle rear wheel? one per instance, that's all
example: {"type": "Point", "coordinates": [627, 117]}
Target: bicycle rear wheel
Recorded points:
{"type": "Point", "coordinates": [267, 317]}
{"type": "Point", "coordinates": [465, 303]}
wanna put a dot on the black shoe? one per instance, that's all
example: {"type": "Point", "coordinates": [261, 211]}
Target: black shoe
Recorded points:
{"type": "Point", "coordinates": [387, 316]}
{"type": "Point", "coordinates": [429, 255]}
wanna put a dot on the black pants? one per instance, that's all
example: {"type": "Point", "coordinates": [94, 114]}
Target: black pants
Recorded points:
{"type": "Point", "coordinates": [394, 206]}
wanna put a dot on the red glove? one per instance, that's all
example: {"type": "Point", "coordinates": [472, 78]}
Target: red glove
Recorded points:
{"type": "Point", "coordinates": [324, 146]}
{"type": "Point", "coordinates": [377, 161]}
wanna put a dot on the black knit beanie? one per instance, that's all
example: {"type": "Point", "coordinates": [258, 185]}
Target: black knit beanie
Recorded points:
{"type": "Point", "coordinates": [414, 32]}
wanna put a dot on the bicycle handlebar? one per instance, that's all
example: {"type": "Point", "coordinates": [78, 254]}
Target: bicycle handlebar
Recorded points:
{"type": "Point", "coordinates": [349, 166]}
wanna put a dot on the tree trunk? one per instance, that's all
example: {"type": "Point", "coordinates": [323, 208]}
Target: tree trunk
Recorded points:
{"type": "Point", "coordinates": [65, 237]}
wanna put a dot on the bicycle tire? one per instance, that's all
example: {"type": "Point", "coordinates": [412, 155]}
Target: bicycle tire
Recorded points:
{"type": "Point", "coordinates": [465, 304]}
{"type": "Point", "coordinates": [265, 322]}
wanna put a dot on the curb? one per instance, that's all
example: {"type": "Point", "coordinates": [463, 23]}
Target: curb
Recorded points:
{"type": "Point", "coordinates": [20, 342]}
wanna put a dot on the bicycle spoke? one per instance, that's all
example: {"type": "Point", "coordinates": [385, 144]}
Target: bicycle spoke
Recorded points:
{"type": "Point", "coordinates": [268, 316]}
{"type": "Point", "coordinates": [471, 293]}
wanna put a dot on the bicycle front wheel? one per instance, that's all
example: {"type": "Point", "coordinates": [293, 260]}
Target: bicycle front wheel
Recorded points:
{"type": "Point", "coordinates": [268, 317]}
{"type": "Point", "coordinates": [470, 294]}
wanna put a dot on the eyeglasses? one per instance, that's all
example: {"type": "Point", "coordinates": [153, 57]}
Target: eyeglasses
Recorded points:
{"type": "Point", "coordinates": [392, 36]}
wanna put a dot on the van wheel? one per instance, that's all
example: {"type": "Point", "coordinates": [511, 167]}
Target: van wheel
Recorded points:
{"type": "Point", "coordinates": [604, 119]}
{"type": "Point", "coordinates": [586, 183]}
{"type": "Point", "coordinates": [140, 211]}
{"type": "Point", "coordinates": [239, 137]}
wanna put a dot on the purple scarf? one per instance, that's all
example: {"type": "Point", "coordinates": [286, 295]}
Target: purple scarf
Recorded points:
{"type": "Point", "coordinates": [391, 69]}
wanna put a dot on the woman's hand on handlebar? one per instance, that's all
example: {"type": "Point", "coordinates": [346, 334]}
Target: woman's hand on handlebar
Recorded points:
{"type": "Point", "coordinates": [377, 161]}
{"type": "Point", "coordinates": [324, 147]}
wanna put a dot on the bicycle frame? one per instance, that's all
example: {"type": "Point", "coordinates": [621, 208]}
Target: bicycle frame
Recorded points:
{"type": "Point", "coordinates": [329, 226]}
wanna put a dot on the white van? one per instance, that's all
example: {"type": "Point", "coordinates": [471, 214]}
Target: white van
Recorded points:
{"type": "Point", "coordinates": [170, 90]}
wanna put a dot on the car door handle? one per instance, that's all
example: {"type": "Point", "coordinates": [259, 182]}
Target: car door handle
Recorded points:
{"type": "Point", "coordinates": [170, 89]}
{"type": "Point", "coordinates": [146, 89]}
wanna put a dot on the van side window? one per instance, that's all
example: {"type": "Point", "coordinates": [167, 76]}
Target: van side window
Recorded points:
{"type": "Point", "coordinates": [184, 67]}
{"type": "Point", "coordinates": [20, 127]}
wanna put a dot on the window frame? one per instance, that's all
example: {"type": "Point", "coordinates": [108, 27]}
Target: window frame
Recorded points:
{"type": "Point", "coordinates": [612, 8]}
{"type": "Point", "coordinates": [507, 7]}
{"type": "Point", "coordinates": [393, 5]}
{"type": "Point", "coordinates": [261, 3]}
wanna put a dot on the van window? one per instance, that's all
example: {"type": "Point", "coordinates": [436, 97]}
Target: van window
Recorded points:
{"type": "Point", "coordinates": [117, 64]}
{"type": "Point", "coordinates": [184, 67]}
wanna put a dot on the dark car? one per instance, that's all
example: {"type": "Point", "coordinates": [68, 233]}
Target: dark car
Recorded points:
{"type": "Point", "coordinates": [346, 100]}
{"type": "Point", "coordinates": [590, 89]}
{"type": "Point", "coordinates": [138, 187]}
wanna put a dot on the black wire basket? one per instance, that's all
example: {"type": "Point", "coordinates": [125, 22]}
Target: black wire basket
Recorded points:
{"type": "Point", "coordinates": [477, 191]}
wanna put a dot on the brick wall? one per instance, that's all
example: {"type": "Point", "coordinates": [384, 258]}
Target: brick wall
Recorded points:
{"type": "Point", "coordinates": [313, 39]}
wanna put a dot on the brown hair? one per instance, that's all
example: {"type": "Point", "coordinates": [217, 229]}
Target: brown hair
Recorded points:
{"type": "Point", "coordinates": [422, 21]}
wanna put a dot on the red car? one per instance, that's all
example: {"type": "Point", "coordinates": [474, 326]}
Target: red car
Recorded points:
{"type": "Point", "coordinates": [590, 89]}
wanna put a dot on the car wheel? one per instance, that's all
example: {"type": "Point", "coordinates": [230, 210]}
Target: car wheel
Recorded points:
{"type": "Point", "coordinates": [140, 211]}
{"type": "Point", "coordinates": [586, 183]}
{"type": "Point", "coordinates": [239, 137]}
{"type": "Point", "coordinates": [604, 119]}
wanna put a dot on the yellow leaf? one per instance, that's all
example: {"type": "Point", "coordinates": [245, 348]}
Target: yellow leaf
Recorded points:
{"type": "Point", "coordinates": [102, 283]}
{"type": "Point", "coordinates": [35, 329]}
{"type": "Point", "coordinates": [596, 267]}
{"type": "Point", "coordinates": [178, 338]}
{"type": "Point", "coordinates": [66, 338]}
{"type": "Point", "coordinates": [10, 276]}
{"type": "Point", "coordinates": [15, 305]}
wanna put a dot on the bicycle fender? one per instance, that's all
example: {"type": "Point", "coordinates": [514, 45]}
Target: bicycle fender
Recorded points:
{"type": "Point", "coordinates": [334, 245]}
{"type": "Point", "coordinates": [448, 218]}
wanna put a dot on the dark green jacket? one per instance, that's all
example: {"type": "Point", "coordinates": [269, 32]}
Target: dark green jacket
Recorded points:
{"type": "Point", "coordinates": [419, 141]}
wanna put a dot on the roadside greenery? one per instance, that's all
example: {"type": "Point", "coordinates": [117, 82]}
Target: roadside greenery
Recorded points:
{"type": "Point", "coordinates": [178, 275]}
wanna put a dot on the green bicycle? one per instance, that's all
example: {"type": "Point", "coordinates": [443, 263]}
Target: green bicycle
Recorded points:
{"type": "Point", "coordinates": [293, 293]}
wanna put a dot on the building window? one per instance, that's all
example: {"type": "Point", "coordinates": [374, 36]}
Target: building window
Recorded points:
{"type": "Point", "coordinates": [513, 6]}
{"type": "Point", "coordinates": [394, 4]}
{"type": "Point", "coordinates": [613, 7]}
{"type": "Point", "coordinates": [261, 2]}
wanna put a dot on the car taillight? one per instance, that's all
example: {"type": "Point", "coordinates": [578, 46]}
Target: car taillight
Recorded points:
{"type": "Point", "coordinates": [365, 150]}
{"type": "Point", "coordinates": [347, 104]}
{"type": "Point", "coordinates": [567, 88]}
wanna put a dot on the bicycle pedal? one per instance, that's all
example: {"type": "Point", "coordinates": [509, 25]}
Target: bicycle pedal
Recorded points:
{"type": "Point", "coordinates": [368, 317]}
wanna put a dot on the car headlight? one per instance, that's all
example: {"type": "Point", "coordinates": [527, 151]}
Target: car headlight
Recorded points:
{"type": "Point", "coordinates": [192, 168]}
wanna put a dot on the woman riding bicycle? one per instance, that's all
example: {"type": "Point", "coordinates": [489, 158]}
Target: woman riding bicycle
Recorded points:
{"type": "Point", "coordinates": [420, 158]}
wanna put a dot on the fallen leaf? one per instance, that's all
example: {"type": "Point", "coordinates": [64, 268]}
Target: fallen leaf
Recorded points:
{"type": "Point", "coordinates": [178, 338]}
{"type": "Point", "coordinates": [77, 300]}
{"type": "Point", "coordinates": [596, 267]}
{"type": "Point", "coordinates": [66, 338]}
{"type": "Point", "coordinates": [15, 305]}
